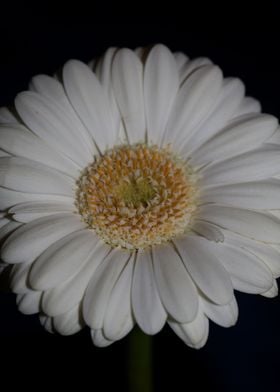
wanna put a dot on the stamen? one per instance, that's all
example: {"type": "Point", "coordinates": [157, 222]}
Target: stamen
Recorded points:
{"type": "Point", "coordinates": [137, 196]}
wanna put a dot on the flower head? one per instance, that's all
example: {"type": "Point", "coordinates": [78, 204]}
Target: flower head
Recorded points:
{"type": "Point", "coordinates": [144, 189]}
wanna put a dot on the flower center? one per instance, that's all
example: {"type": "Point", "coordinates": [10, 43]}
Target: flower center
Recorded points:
{"type": "Point", "coordinates": [137, 196]}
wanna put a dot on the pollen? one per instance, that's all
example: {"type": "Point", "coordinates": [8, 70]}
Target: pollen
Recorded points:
{"type": "Point", "coordinates": [137, 196]}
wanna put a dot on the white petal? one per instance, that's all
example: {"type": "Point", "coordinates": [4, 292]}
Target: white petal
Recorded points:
{"type": "Point", "coordinates": [176, 289]}
{"type": "Point", "coordinates": [205, 269]}
{"type": "Point", "coordinates": [90, 102]}
{"type": "Point", "coordinates": [223, 315]}
{"type": "Point", "coordinates": [190, 66]}
{"type": "Point", "coordinates": [248, 105]}
{"type": "Point", "coordinates": [28, 211]}
{"type": "Point", "coordinates": [18, 140]}
{"type": "Point", "coordinates": [147, 307]}
{"type": "Point", "coordinates": [47, 322]}
{"type": "Point", "coordinates": [270, 255]}
{"type": "Point", "coordinates": [118, 320]}
{"type": "Point", "coordinates": [275, 138]}
{"type": "Point", "coordinates": [99, 339]}
{"type": "Point", "coordinates": [9, 198]}
{"type": "Point", "coordinates": [3, 220]}
{"type": "Point", "coordinates": [194, 334]}
{"type": "Point", "coordinates": [19, 278]}
{"type": "Point", "coordinates": [24, 175]}
{"type": "Point", "coordinates": [229, 98]}
{"type": "Point", "coordinates": [4, 154]}
{"type": "Point", "coordinates": [8, 228]}
{"type": "Point", "coordinates": [104, 73]}
{"type": "Point", "coordinates": [69, 323]}
{"type": "Point", "coordinates": [62, 259]}
{"type": "Point", "coordinates": [193, 103]}
{"type": "Point", "coordinates": [52, 89]}
{"type": "Point", "coordinates": [260, 195]}
{"type": "Point", "coordinates": [7, 117]}
{"type": "Point", "coordinates": [65, 296]}
{"type": "Point", "coordinates": [181, 60]}
{"type": "Point", "coordinates": [237, 138]}
{"type": "Point", "coordinates": [254, 165]}
{"type": "Point", "coordinates": [98, 291]}
{"type": "Point", "coordinates": [210, 232]}
{"type": "Point", "coordinates": [54, 125]}
{"type": "Point", "coordinates": [30, 240]}
{"type": "Point", "coordinates": [272, 292]}
{"type": "Point", "coordinates": [255, 225]}
{"type": "Point", "coordinates": [127, 78]}
{"type": "Point", "coordinates": [247, 272]}
{"type": "Point", "coordinates": [161, 84]}
{"type": "Point", "coordinates": [29, 303]}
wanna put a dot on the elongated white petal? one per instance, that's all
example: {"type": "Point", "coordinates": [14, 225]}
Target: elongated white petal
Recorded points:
{"type": "Point", "coordinates": [181, 61]}
{"type": "Point", "coordinates": [19, 278]}
{"type": "Point", "coordinates": [205, 269]}
{"type": "Point", "coordinates": [9, 198]}
{"type": "Point", "coordinates": [90, 102]}
{"type": "Point", "coordinates": [64, 297]}
{"type": "Point", "coordinates": [3, 220]}
{"type": "Point", "coordinates": [29, 303]}
{"type": "Point", "coordinates": [248, 273]}
{"type": "Point", "coordinates": [211, 232]}
{"type": "Point", "coordinates": [52, 89]}
{"type": "Point", "coordinates": [118, 319]}
{"type": "Point", "coordinates": [99, 339]}
{"type": "Point", "coordinates": [127, 79]}
{"type": "Point", "coordinates": [62, 260]}
{"type": "Point", "coordinates": [24, 175]}
{"type": "Point", "coordinates": [259, 195]}
{"type": "Point", "coordinates": [7, 116]}
{"type": "Point", "coordinates": [99, 288]}
{"type": "Point", "coordinates": [147, 307]}
{"type": "Point", "coordinates": [53, 124]}
{"type": "Point", "coordinates": [255, 225]}
{"type": "Point", "coordinates": [229, 98]}
{"type": "Point", "coordinates": [272, 292]}
{"type": "Point", "coordinates": [30, 240]}
{"type": "Point", "coordinates": [190, 66]}
{"type": "Point", "coordinates": [193, 103]}
{"type": "Point", "coordinates": [275, 138]}
{"type": "Point", "coordinates": [8, 228]}
{"type": "Point", "coordinates": [161, 84]}
{"type": "Point", "coordinates": [104, 73]}
{"type": "Point", "coordinates": [270, 255]}
{"type": "Point", "coordinates": [19, 141]}
{"type": "Point", "coordinates": [248, 105]}
{"type": "Point", "coordinates": [4, 154]}
{"type": "Point", "coordinates": [223, 315]}
{"type": "Point", "coordinates": [252, 166]}
{"type": "Point", "coordinates": [40, 207]}
{"type": "Point", "coordinates": [47, 323]}
{"type": "Point", "coordinates": [69, 322]}
{"type": "Point", "coordinates": [29, 211]}
{"type": "Point", "coordinates": [176, 289]}
{"type": "Point", "coordinates": [194, 334]}
{"type": "Point", "coordinates": [237, 138]}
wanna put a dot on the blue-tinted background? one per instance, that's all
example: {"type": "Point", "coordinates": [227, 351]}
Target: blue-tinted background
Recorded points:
{"type": "Point", "coordinates": [242, 358]}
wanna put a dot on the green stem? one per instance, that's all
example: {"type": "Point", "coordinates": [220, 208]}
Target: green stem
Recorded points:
{"type": "Point", "coordinates": [140, 360]}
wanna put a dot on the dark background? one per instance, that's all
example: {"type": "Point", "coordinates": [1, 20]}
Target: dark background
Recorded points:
{"type": "Point", "coordinates": [243, 358]}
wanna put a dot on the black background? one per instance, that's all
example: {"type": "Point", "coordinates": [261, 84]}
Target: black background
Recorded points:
{"type": "Point", "coordinates": [243, 358]}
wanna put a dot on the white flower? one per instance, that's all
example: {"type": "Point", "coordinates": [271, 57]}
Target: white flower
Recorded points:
{"type": "Point", "coordinates": [142, 189]}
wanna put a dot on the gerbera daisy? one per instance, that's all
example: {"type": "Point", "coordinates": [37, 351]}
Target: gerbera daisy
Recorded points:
{"type": "Point", "coordinates": [142, 188]}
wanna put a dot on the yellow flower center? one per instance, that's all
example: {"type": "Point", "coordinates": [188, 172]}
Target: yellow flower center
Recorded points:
{"type": "Point", "coordinates": [137, 196]}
